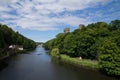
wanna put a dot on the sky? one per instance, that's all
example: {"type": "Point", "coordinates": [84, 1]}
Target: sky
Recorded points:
{"type": "Point", "coordinates": [42, 20]}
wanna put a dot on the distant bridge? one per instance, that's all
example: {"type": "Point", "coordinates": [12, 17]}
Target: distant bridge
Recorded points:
{"type": "Point", "coordinates": [39, 43]}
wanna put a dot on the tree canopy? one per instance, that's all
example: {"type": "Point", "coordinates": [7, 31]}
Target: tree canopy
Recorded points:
{"type": "Point", "coordinates": [97, 41]}
{"type": "Point", "coordinates": [9, 37]}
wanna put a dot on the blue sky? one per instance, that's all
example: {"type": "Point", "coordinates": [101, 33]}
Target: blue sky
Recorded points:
{"type": "Point", "coordinates": [41, 20]}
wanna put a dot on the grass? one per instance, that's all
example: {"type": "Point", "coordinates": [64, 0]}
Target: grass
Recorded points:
{"type": "Point", "coordinates": [89, 64]}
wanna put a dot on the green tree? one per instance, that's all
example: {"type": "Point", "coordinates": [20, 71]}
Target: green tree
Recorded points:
{"type": "Point", "coordinates": [69, 45]}
{"type": "Point", "coordinates": [100, 41]}
{"type": "Point", "coordinates": [114, 25]}
{"type": "Point", "coordinates": [109, 59]}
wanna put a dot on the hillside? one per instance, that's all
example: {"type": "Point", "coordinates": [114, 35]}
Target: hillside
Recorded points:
{"type": "Point", "coordinates": [97, 41]}
{"type": "Point", "coordinates": [9, 37]}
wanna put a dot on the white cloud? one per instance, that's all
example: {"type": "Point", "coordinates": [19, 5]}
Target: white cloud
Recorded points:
{"type": "Point", "coordinates": [46, 1]}
{"type": "Point", "coordinates": [35, 14]}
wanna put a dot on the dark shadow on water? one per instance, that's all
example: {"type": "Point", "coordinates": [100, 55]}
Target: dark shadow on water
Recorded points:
{"type": "Point", "coordinates": [3, 64]}
{"type": "Point", "coordinates": [84, 73]}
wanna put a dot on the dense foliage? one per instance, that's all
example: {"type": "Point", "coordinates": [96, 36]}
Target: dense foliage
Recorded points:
{"type": "Point", "coordinates": [9, 37]}
{"type": "Point", "coordinates": [97, 41]}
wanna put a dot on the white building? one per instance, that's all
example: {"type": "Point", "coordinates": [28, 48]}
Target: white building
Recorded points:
{"type": "Point", "coordinates": [20, 48]}
{"type": "Point", "coordinates": [16, 47]}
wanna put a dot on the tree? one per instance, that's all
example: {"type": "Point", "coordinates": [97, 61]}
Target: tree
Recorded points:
{"type": "Point", "coordinates": [114, 25]}
{"type": "Point", "coordinates": [10, 37]}
{"type": "Point", "coordinates": [69, 45]}
{"type": "Point", "coordinates": [84, 44]}
{"type": "Point", "coordinates": [2, 43]}
{"type": "Point", "coordinates": [60, 41]}
{"type": "Point", "coordinates": [109, 59]}
{"type": "Point", "coordinates": [99, 41]}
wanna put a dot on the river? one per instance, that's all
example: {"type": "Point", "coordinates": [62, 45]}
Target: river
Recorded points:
{"type": "Point", "coordinates": [37, 65]}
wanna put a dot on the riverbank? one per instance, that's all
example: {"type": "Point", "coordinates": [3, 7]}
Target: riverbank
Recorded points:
{"type": "Point", "coordinates": [74, 61]}
{"type": "Point", "coordinates": [88, 64]}
{"type": "Point", "coordinates": [8, 53]}
{"type": "Point", "coordinates": [79, 63]}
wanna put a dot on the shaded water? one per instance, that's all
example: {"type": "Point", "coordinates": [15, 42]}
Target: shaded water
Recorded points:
{"type": "Point", "coordinates": [37, 65]}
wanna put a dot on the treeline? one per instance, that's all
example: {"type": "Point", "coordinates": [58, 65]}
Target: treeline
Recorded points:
{"type": "Point", "coordinates": [97, 41]}
{"type": "Point", "coordinates": [9, 37]}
